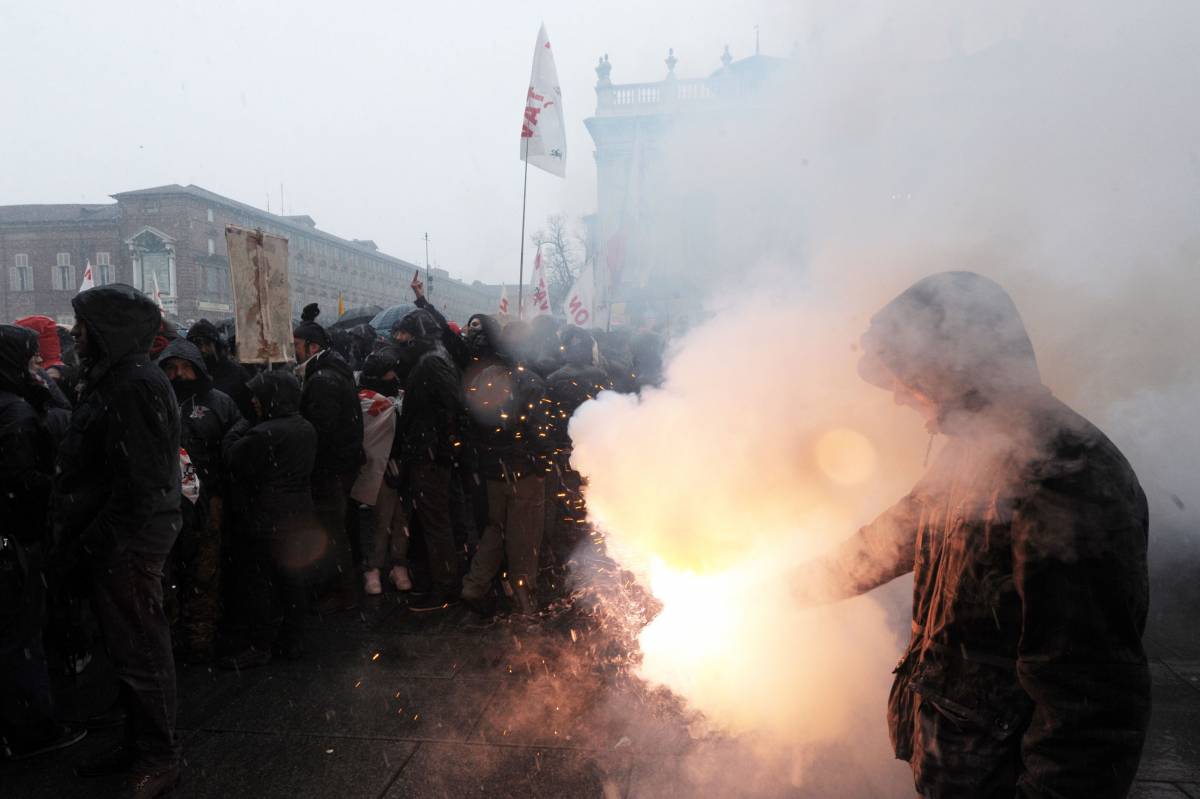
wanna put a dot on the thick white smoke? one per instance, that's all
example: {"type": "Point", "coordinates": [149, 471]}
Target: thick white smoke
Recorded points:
{"type": "Point", "coordinates": [1051, 147]}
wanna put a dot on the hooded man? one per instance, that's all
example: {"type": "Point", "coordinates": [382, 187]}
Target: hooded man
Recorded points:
{"type": "Point", "coordinates": [116, 517]}
{"type": "Point", "coordinates": [206, 414]}
{"type": "Point", "coordinates": [330, 403]}
{"type": "Point", "coordinates": [27, 725]}
{"type": "Point", "coordinates": [427, 435]}
{"type": "Point", "coordinates": [270, 466]}
{"type": "Point", "coordinates": [228, 376]}
{"type": "Point", "coordinates": [1025, 675]}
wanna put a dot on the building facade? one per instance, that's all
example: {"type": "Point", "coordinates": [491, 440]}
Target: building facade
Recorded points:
{"type": "Point", "coordinates": [660, 148]}
{"type": "Point", "coordinates": [172, 239]}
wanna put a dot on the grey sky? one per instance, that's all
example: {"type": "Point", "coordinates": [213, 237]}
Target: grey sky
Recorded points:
{"type": "Point", "coordinates": [382, 120]}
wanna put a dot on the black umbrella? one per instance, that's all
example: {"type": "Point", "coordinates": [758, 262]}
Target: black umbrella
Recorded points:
{"type": "Point", "coordinates": [356, 316]}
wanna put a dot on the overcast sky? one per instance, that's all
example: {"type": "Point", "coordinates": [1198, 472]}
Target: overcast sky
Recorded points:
{"type": "Point", "coordinates": [382, 120]}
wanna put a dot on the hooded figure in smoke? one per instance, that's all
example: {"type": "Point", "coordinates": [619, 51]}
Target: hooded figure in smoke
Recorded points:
{"type": "Point", "coordinates": [228, 376]}
{"type": "Point", "coordinates": [1025, 675]}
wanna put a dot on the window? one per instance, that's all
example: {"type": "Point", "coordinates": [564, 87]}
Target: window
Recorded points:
{"type": "Point", "coordinates": [104, 273]}
{"type": "Point", "coordinates": [63, 276]}
{"type": "Point", "coordinates": [210, 215]}
{"type": "Point", "coordinates": [20, 278]}
{"type": "Point", "coordinates": [212, 245]}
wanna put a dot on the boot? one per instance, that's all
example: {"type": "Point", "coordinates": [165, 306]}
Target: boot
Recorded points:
{"type": "Point", "coordinates": [116, 760]}
{"type": "Point", "coordinates": [371, 584]}
{"type": "Point", "coordinates": [149, 784]}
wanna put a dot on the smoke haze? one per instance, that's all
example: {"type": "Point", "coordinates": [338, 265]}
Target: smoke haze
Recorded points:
{"type": "Point", "coordinates": [1049, 148]}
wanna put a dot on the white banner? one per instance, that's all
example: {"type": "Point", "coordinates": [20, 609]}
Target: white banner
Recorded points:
{"type": "Point", "coordinates": [504, 299]}
{"type": "Point", "coordinates": [539, 299]}
{"type": "Point", "coordinates": [580, 305]}
{"type": "Point", "coordinates": [89, 280]}
{"type": "Point", "coordinates": [543, 132]}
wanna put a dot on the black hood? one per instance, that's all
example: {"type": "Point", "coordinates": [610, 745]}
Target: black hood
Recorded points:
{"type": "Point", "coordinates": [186, 350]}
{"type": "Point", "coordinates": [419, 324]}
{"type": "Point", "coordinates": [578, 346]}
{"type": "Point", "coordinates": [328, 359]}
{"type": "Point", "coordinates": [121, 322]}
{"type": "Point", "coordinates": [278, 392]}
{"type": "Point", "coordinates": [206, 330]}
{"type": "Point", "coordinates": [955, 336]}
{"type": "Point", "coordinates": [17, 346]}
{"type": "Point", "coordinates": [492, 341]}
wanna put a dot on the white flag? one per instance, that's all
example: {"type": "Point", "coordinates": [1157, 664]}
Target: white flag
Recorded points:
{"type": "Point", "coordinates": [89, 281]}
{"type": "Point", "coordinates": [504, 299]}
{"type": "Point", "coordinates": [580, 305]}
{"type": "Point", "coordinates": [543, 132]}
{"type": "Point", "coordinates": [157, 293]}
{"type": "Point", "coordinates": [539, 298]}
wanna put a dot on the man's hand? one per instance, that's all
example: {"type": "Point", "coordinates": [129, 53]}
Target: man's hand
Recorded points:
{"type": "Point", "coordinates": [417, 286]}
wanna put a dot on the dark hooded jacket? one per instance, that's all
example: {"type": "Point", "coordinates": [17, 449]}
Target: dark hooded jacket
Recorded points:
{"type": "Point", "coordinates": [227, 375]}
{"type": "Point", "coordinates": [26, 447]}
{"type": "Point", "coordinates": [270, 463]}
{"type": "Point", "coordinates": [431, 416]}
{"type": "Point", "coordinates": [456, 348]}
{"type": "Point", "coordinates": [329, 401]}
{"type": "Point", "coordinates": [579, 380]}
{"type": "Point", "coordinates": [1025, 674]}
{"type": "Point", "coordinates": [206, 415]}
{"type": "Point", "coordinates": [117, 485]}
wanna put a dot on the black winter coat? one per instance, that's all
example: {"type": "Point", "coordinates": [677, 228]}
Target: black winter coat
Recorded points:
{"type": "Point", "coordinates": [1025, 675]}
{"type": "Point", "coordinates": [432, 412]}
{"type": "Point", "coordinates": [230, 378]}
{"type": "Point", "coordinates": [329, 402]}
{"type": "Point", "coordinates": [206, 415]}
{"type": "Point", "coordinates": [117, 485]}
{"type": "Point", "coordinates": [513, 422]}
{"type": "Point", "coordinates": [270, 464]}
{"type": "Point", "coordinates": [26, 447]}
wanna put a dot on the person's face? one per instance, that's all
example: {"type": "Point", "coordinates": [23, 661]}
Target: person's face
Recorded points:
{"type": "Point", "coordinates": [918, 401]}
{"type": "Point", "coordinates": [402, 337]}
{"type": "Point", "coordinates": [207, 347]}
{"type": "Point", "coordinates": [35, 363]}
{"type": "Point", "coordinates": [304, 349]}
{"type": "Point", "coordinates": [475, 324]}
{"type": "Point", "coordinates": [80, 334]}
{"type": "Point", "coordinates": [179, 369]}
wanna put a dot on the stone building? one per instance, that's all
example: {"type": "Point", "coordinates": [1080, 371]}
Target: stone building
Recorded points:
{"type": "Point", "coordinates": [660, 148]}
{"type": "Point", "coordinates": [174, 237]}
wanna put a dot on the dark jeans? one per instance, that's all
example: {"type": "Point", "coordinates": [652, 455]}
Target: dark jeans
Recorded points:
{"type": "Point", "coordinates": [127, 596]}
{"type": "Point", "coordinates": [330, 493]}
{"type": "Point", "coordinates": [276, 594]}
{"type": "Point", "coordinates": [429, 486]}
{"type": "Point", "coordinates": [26, 708]}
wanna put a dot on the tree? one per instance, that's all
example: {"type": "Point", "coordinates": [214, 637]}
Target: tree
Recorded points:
{"type": "Point", "coordinates": [564, 254]}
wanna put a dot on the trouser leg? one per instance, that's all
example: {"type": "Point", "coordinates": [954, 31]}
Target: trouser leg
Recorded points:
{"type": "Point", "coordinates": [263, 614]}
{"type": "Point", "coordinates": [128, 595]}
{"type": "Point", "coordinates": [523, 534]}
{"type": "Point", "coordinates": [201, 602]}
{"type": "Point", "coordinates": [26, 708]}
{"type": "Point", "coordinates": [390, 524]}
{"type": "Point", "coordinates": [329, 500]}
{"type": "Point", "coordinates": [489, 555]}
{"type": "Point", "coordinates": [431, 504]}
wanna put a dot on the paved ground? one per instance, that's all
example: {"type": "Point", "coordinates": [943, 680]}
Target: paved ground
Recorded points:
{"type": "Point", "coordinates": [392, 704]}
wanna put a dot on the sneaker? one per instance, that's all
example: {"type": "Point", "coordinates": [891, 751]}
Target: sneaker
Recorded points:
{"type": "Point", "coordinates": [371, 584]}
{"type": "Point", "coordinates": [116, 760]}
{"type": "Point", "coordinates": [113, 717]}
{"type": "Point", "coordinates": [400, 578]}
{"type": "Point", "coordinates": [430, 602]}
{"type": "Point", "coordinates": [248, 658]}
{"type": "Point", "coordinates": [484, 606]}
{"type": "Point", "coordinates": [67, 735]}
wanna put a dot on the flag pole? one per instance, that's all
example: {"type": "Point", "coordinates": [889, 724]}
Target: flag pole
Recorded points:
{"type": "Point", "coordinates": [524, 194]}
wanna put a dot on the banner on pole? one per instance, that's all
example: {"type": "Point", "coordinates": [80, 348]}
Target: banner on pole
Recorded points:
{"type": "Point", "coordinates": [543, 131]}
{"type": "Point", "coordinates": [504, 299]}
{"type": "Point", "coordinates": [89, 280]}
{"type": "Point", "coordinates": [580, 305]}
{"type": "Point", "coordinates": [539, 299]}
{"type": "Point", "coordinates": [258, 272]}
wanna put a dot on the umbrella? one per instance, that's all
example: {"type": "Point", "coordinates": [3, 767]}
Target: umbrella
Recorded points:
{"type": "Point", "coordinates": [357, 316]}
{"type": "Point", "coordinates": [384, 321]}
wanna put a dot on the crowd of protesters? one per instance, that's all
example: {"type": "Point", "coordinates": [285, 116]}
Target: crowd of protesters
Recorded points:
{"type": "Point", "coordinates": [163, 502]}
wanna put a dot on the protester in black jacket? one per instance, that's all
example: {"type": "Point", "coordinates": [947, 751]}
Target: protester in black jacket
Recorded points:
{"type": "Point", "coordinates": [116, 512]}
{"type": "Point", "coordinates": [330, 403]}
{"type": "Point", "coordinates": [228, 376]}
{"type": "Point", "coordinates": [27, 725]}
{"type": "Point", "coordinates": [207, 414]}
{"type": "Point", "coordinates": [511, 435]}
{"type": "Point", "coordinates": [270, 466]}
{"type": "Point", "coordinates": [427, 437]}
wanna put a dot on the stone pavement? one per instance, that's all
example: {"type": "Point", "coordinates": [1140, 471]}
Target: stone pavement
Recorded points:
{"type": "Point", "coordinates": [393, 704]}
